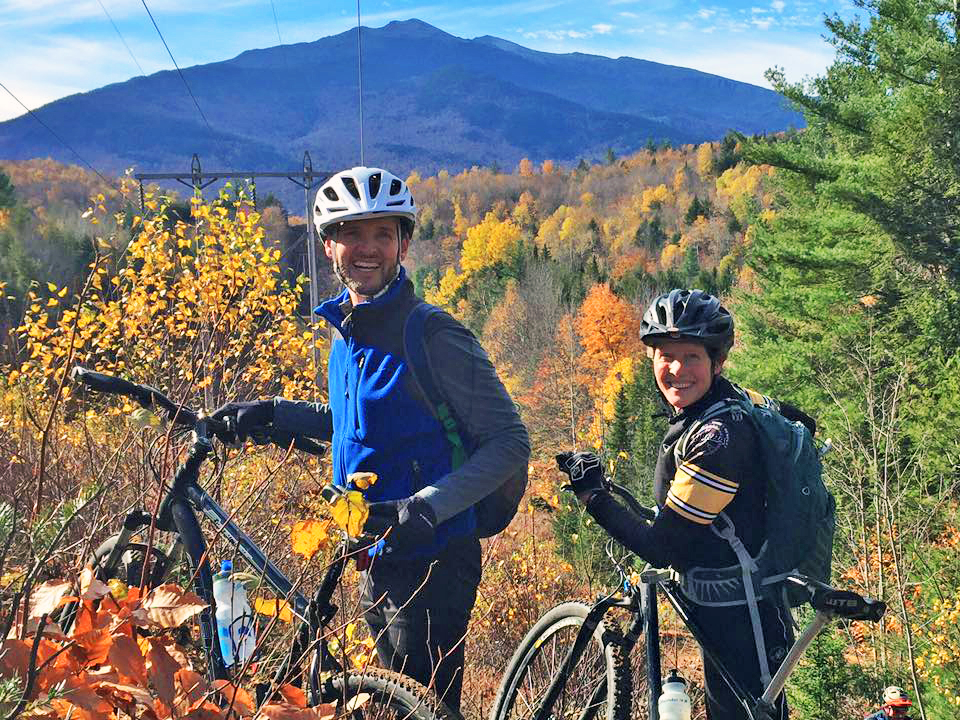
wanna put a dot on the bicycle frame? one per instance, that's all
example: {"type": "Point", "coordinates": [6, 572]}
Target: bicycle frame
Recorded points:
{"type": "Point", "coordinates": [178, 514]}
{"type": "Point", "coordinates": [641, 601]}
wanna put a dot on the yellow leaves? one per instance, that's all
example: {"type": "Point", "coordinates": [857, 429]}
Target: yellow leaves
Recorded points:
{"type": "Point", "coordinates": [670, 256]}
{"type": "Point", "coordinates": [349, 510]}
{"type": "Point", "coordinates": [488, 243]}
{"type": "Point", "coordinates": [309, 536]}
{"type": "Point", "coordinates": [274, 607]}
{"type": "Point", "coordinates": [654, 198]}
{"type": "Point", "coordinates": [704, 160]}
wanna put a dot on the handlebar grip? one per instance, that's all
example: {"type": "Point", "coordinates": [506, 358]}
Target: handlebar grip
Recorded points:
{"type": "Point", "coordinates": [101, 382]}
{"type": "Point", "coordinates": [641, 510]}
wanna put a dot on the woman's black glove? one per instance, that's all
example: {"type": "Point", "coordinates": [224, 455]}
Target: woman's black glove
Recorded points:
{"type": "Point", "coordinates": [584, 469]}
{"type": "Point", "coordinates": [412, 520]}
{"type": "Point", "coordinates": [245, 419]}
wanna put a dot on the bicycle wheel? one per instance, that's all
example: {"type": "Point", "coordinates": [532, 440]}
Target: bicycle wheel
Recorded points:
{"type": "Point", "coordinates": [392, 696]}
{"type": "Point", "coordinates": [129, 570]}
{"type": "Point", "coordinates": [599, 686]}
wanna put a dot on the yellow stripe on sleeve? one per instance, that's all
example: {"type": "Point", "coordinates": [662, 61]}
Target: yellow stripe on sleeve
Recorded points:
{"type": "Point", "coordinates": [699, 495]}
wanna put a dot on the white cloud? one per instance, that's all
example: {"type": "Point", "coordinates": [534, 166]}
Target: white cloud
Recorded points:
{"type": "Point", "coordinates": [626, 14]}
{"type": "Point", "coordinates": [705, 13]}
{"type": "Point", "coordinates": [602, 28]}
{"type": "Point", "coordinates": [556, 35]}
{"type": "Point", "coordinates": [762, 23]}
{"type": "Point", "coordinates": [52, 70]}
{"type": "Point", "coordinates": [778, 5]}
{"type": "Point", "coordinates": [747, 61]}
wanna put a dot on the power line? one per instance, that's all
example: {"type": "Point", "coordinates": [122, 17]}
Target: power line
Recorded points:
{"type": "Point", "coordinates": [60, 139]}
{"type": "Point", "coordinates": [360, 80]}
{"type": "Point", "coordinates": [185, 84]}
{"type": "Point", "coordinates": [275, 21]}
{"type": "Point", "coordinates": [121, 38]}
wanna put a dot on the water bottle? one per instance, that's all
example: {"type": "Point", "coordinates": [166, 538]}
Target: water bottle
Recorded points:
{"type": "Point", "coordinates": [674, 703]}
{"type": "Point", "coordinates": [234, 617]}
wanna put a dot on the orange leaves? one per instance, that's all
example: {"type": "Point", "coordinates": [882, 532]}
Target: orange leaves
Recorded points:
{"type": "Point", "coordinates": [307, 537]}
{"type": "Point", "coordinates": [608, 328]}
{"type": "Point", "coordinates": [161, 670]}
{"type": "Point", "coordinates": [170, 606]}
{"type": "Point", "coordinates": [235, 698]}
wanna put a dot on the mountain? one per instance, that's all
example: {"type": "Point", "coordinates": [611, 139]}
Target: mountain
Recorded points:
{"type": "Point", "coordinates": [430, 101]}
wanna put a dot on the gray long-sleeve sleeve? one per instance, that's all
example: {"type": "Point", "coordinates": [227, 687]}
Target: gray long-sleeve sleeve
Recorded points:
{"type": "Point", "coordinates": [483, 408]}
{"type": "Point", "coordinates": [300, 417]}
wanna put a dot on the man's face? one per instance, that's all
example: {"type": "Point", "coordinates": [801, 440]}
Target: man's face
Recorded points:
{"type": "Point", "coordinates": [898, 711]}
{"type": "Point", "coordinates": [365, 253]}
{"type": "Point", "coordinates": [682, 371]}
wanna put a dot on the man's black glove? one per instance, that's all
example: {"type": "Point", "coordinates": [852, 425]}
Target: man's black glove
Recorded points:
{"type": "Point", "coordinates": [245, 419]}
{"type": "Point", "coordinates": [584, 469]}
{"type": "Point", "coordinates": [412, 520]}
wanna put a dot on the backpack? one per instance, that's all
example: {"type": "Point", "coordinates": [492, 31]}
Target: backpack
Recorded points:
{"type": "Point", "coordinates": [496, 510]}
{"type": "Point", "coordinates": [800, 511]}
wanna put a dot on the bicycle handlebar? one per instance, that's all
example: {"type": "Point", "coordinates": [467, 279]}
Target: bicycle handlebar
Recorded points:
{"type": "Point", "coordinates": [147, 396]}
{"type": "Point", "coordinates": [634, 504]}
{"type": "Point", "coordinates": [839, 603]}
{"type": "Point", "coordinates": [846, 604]}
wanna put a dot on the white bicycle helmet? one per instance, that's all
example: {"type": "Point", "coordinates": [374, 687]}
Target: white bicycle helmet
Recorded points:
{"type": "Point", "coordinates": [895, 695]}
{"type": "Point", "coordinates": [360, 193]}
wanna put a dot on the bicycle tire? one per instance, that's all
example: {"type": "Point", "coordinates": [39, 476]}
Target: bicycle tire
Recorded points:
{"type": "Point", "coordinates": [129, 573]}
{"type": "Point", "coordinates": [541, 653]}
{"type": "Point", "coordinates": [392, 696]}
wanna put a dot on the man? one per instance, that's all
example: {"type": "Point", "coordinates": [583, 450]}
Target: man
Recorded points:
{"type": "Point", "coordinates": [417, 596]}
{"type": "Point", "coordinates": [896, 704]}
{"type": "Point", "coordinates": [714, 481]}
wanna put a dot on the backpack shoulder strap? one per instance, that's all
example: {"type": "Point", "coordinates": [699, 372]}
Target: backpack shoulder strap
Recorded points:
{"type": "Point", "coordinates": [415, 353]}
{"type": "Point", "coordinates": [721, 407]}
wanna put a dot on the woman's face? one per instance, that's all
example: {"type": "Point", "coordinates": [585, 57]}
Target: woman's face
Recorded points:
{"type": "Point", "coordinates": [683, 371]}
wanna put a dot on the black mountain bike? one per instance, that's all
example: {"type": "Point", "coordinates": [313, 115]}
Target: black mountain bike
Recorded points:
{"type": "Point", "coordinates": [312, 661]}
{"type": "Point", "coordinates": [574, 663]}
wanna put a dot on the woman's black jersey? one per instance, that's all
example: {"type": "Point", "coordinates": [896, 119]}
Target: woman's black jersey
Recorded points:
{"type": "Point", "coordinates": [720, 470]}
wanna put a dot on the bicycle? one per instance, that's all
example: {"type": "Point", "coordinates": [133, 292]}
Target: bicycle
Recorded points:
{"type": "Point", "coordinates": [574, 664]}
{"type": "Point", "coordinates": [390, 695]}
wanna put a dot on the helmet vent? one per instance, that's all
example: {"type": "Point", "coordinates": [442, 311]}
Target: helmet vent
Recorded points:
{"type": "Point", "coordinates": [395, 186]}
{"type": "Point", "coordinates": [394, 203]}
{"type": "Point", "coordinates": [351, 187]}
{"type": "Point", "coordinates": [331, 194]}
{"type": "Point", "coordinates": [373, 184]}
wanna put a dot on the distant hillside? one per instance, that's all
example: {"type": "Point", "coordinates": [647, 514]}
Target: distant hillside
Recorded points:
{"type": "Point", "coordinates": [431, 101]}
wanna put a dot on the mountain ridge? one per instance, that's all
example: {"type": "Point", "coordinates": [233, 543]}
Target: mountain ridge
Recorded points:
{"type": "Point", "coordinates": [453, 103]}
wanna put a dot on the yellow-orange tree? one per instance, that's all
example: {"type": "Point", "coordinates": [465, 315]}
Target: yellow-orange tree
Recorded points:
{"type": "Point", "coordinates": [193, 306]}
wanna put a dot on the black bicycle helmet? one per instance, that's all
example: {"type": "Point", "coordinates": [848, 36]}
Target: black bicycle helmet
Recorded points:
{"type": "Point", "coordinates": [688, 315]}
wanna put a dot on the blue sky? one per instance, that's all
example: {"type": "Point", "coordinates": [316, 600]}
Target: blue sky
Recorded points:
{"type": "Point", "coordinates": [53, 48]}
